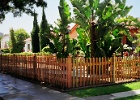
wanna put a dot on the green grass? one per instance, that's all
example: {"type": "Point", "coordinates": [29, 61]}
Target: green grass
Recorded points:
{"type": "Point", "coordinates": [105, 90]}
{"type": "Point", "coordinates": [137, 97]}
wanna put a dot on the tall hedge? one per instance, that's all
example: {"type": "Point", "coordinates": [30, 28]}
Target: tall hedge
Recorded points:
{"type": "Point", "coordinates": [13, 41]}
{"type": "Point", "coordinates": [35, 35]}
{"type": "Point", "coordinates": [17, 38]}
{"type": "Point", "coordinates": [44, 31]}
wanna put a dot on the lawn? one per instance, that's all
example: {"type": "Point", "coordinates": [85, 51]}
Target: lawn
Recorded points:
{"type": "Point", "coordinates": [105, 90]}
{"type": "Point", "coordinates": [137, 97]}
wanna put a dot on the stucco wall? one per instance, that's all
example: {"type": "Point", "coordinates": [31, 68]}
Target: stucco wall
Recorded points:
{"type": "Point", "coordinates": [4, 41]}
{"type": "Point", "coordinates": [28, 45]}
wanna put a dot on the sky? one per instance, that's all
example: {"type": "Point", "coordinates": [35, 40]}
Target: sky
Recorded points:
{"type": "Point", "coordinates": [52, 14]}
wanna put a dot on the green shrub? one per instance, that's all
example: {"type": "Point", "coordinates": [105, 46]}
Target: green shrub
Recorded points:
{"type": "Point", "coordinates": [5, 50]}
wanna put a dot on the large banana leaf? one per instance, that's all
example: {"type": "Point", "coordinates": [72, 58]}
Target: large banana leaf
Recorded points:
{"type": "Point", "coordinates": [60, 43]}
{"type": "Point", "coordinates": [109, 30]}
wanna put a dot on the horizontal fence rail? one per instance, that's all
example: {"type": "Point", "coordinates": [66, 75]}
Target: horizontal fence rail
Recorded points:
{"type": "Point", "coordinates": [72, 72]}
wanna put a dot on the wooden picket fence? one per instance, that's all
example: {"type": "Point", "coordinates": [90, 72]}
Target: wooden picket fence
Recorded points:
{"type": "Point", "coordinates": [71, 72]}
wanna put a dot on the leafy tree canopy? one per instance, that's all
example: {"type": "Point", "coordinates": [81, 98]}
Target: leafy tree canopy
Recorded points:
{"type": "Point", "coordinates": [17, 7]}
{"type": "Point", "coordinates": [102, 25]}
{"type": "Point", "coordinates": [19, 36]}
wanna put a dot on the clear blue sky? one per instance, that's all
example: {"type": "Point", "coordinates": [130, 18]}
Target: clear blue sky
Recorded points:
{"type": "Point", "coordinates": [52, 14]}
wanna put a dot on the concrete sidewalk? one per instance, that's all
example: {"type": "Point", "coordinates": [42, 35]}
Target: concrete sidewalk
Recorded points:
{"type": "Point", "coordinates": [115, 95]}
{"type": "Point", "coordinates": [12, 88]}
{"type": "Point", "coordinates": [15, 89]}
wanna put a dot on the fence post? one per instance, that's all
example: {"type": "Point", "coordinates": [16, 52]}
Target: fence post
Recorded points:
{"type": "Point", "coordinates": [114, 65]}
{"type": "Point", "coordinates": [17, 61]}
{"type": "Point", "coordinates": [0, 62]}
{"type": "Point", "coordinates": [69, 71]}
{"type": "Point", "coordinates": [35, 66]}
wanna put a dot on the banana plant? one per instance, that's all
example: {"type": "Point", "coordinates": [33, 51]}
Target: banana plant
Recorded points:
{"type": "Point", "coordinates": [56, 45]}
{"type": "Point", "coordinates": [83, 41]}
{"type": "Point", "coordinates": [99, 21]}
{"type": "Point", "coordinates": [60, 43]}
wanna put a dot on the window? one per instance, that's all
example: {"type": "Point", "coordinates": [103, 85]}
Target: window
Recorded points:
{"type": "Point", "coordinates": [134, 45]}
{"type": "Point", "coordinates": [28, 47]}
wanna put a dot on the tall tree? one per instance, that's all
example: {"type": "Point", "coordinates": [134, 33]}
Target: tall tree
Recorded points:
{"type": "Point", "coordinates": [63, 22]}
{"type": "Point", "coordinates": [60, 43]}
{"type": "Point", "coordinates": [17, 7]}
{"type": "Point", "coordinates": [35, 35]}
{"type": "Point", "coordinates": [44, 31]}
{"type": "Point", "coordinates": [17, 40]}
{"type": "Point", "coordinates": [20, 35]}
{"type": "Point", "coordinates": [13, 41]}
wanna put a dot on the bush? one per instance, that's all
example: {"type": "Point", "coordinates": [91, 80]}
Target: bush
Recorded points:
{"type": "Point", "coordinates": [5, 50]}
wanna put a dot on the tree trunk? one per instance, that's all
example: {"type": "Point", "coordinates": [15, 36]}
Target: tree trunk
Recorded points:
{"type": "Point", "coordinates": [93, 38]}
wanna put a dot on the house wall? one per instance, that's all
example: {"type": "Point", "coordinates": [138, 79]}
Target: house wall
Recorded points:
{"type": "Point", "coordinates": [73, 33]}
{"type": "Point", "coordinates": [4, 41]}
{"type": "Point", "coordinates": [28, 46]}
{"type": "Point", "coordinates": [133, 31]}
{"type": "Point", "coordinates": [124, 40]}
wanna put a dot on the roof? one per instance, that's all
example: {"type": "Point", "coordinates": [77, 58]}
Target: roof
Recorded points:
{"type": "Point", "coordinates": [133, 25]}
{"type": "Point", "coordinates": [6, 35]}
{"type": "Point", "coordinates": [28, 39]}
{"type": "Point", "coordinates": [74, 27]}
{"type": "Point", "coordinates": [71, 26]}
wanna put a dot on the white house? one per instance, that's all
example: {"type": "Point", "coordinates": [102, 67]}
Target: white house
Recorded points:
{"type": "Point", "coordinates": [28, 45]}
{"type": "Point", "coordinates": [1, 34]}
{"type": "Point", "coordinates": [4, 41]}
{"type": "Point", "coordinates": [6, 38]}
